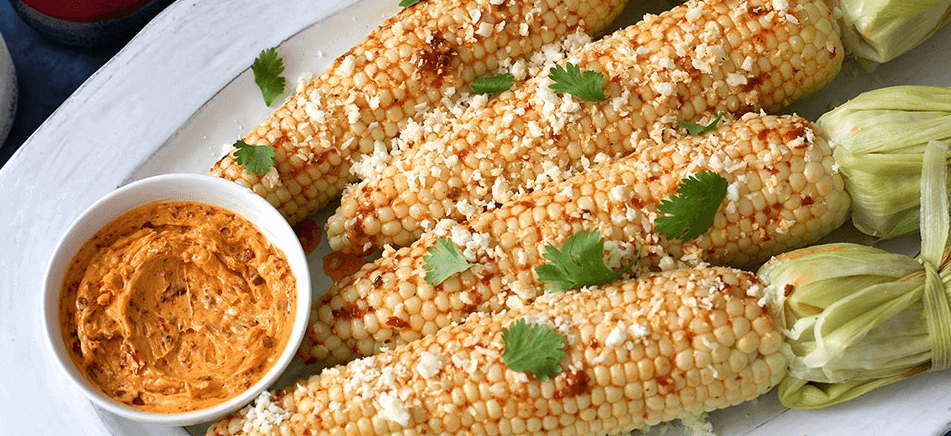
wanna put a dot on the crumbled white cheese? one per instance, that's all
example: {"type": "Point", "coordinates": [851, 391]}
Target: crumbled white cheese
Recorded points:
{"type": "Point", "coordinates": [665, 88]}
{"type": "Point", "coordinates": [392, 409]}
{"type": "Point", "coordinates": [735, 80]}
{"type": "Point", "coordinates": [303, 80]}
{"type": "Point", "coordinates": [485, 30]}
{"type": "Point", "coordinates": [466, 208]}
{"type": "Point", "coordinates": [347, 65]}
{"type": "Point", "coordinates": [639, 331]}
{"type": "Point", "coordinates": [429, 365]}
{"type": "Point", "coordinates": [271, 180]}
{"type": "Point", "coordinates": [475, 14]}
{"type": "Point", "coordinates": [619, 193]}
{"type": "Point", "coordinates": [353, 113]}
{"type": "Point", "coordinates": [514, 301]}
{"type": "Point", "coordinates": [314, 108]}
{"type": "Point", "coordinates": [263, 415]}
{"type": "Point", "coordinates": [472, 243]}
{"type": "Point", "coordinates": [747, 64]}
{"type": "Point", "coordinates": [617, 336]}
{"type": "Point", "coordinates": [694, 13]}
{"type": "Point", "coordinates": [371, 165]}
{"type": "Point", "coordinates": [733, 192]}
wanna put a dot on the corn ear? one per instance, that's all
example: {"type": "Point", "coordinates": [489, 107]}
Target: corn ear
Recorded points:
{"type": "Point", "coordinates": [783, 193]}
{"type": "Point", "coordinates": [690, 63]}
{"type": "Point", "coordinates": [876, 31]}
{"type": "Point", "coordinates": [879, 139]}
{"type": "Point", "coordinates": [637, 352]}
{"type": "Point", "coordinates": [857, 317]}
{"type": "Point", "coordinates": [411, 63]}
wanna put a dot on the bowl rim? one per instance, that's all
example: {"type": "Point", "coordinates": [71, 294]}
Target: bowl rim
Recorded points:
{"type": "Point", "coordinates": [166, 188]}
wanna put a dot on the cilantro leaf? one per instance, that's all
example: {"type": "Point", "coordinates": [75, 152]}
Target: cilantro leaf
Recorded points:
{"type": "Point", "coordinates": [691, 211]}
{"type": "Point", "coordinates": [586, 86]}
{"type": "Point", "coordinates": [267, 70]}
{"type": "Point", "coordinates": [256, 159]}
{"type": "Point", "coordinates": [443, 260]}
{"type": "Point", "coordinates": [535, 348]}
{"type": "Point", "coordinates": [579, 263]}
{"type": "Point", "coordinates": [485, 85]}
{"type": "Point", "coordinates": [408, 3]}
{"type": "Point", "coordinates": [699, 129]}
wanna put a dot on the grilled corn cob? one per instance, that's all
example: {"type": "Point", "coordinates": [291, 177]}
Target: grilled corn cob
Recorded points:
{"type": "Point", "coordinates": [782, 193]}
{"type": "Point", "coordinates": [637, 353]}
{"type": "Point", "coordinates": [692, 62]}
{"type": "Point", "coordinates": [411, 62]}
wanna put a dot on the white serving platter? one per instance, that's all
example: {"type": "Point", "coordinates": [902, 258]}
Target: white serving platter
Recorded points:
{"type": "Point", "coordinates": [182, 89]}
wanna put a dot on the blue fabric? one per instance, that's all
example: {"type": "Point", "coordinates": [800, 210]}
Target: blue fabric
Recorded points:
{"type": "Point", "coordinates": [47, 73]}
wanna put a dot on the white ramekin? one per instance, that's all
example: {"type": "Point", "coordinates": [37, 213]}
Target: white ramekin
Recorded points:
{"type": "Point", "coordinates": [176, 187]}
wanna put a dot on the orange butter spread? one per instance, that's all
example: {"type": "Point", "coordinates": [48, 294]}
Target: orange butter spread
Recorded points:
{"type": "Point", "coordinates": [174, 307]}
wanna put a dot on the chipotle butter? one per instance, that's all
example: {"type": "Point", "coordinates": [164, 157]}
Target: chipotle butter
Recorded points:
{"type": "Point", "coordinates": [175, 307]}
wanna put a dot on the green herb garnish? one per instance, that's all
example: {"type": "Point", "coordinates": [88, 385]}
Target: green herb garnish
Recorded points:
{"type": "Point", "coordinates": [691, 211]}
{"type": "Point", "coordinates": [699, 129]}
{"type": "Point", "coordinates": [485, 85]}
{"type": "Point", "coordinates": [579, 263]}
{"type": "Point", "coordinates": [408, 3]}
{"type": "Point", "coordinates": [256, 159]}
{"type": "Point", "coordinates": [533, 348]}
{"type": "Point", "coordinates": [443, 260]}
{"type": "Point", "coordinates": [588, 85]}
{"type": "Point", "coordinates": [267, 70]}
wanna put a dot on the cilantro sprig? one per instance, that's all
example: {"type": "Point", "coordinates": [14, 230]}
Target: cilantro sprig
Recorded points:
{"type": "Point", "coordinates": [579, 263]}
{"type": "Point", "coordinates": [443, 260]}
{"type": "Point", "coordinates": [534, 348]}
{"type": "Point", "coordinates": [692, 210]}
{"type": "Point", "coordinates": [256, 159]}
{"type": "Point", "coordinates": [267, 69]}
{"type": "Point", "coordinates": [699, 129]}
{"type": "Point", "coordinates": [408, 3]}
{"type": "Point", "coordinates": [486, 85]}
{"type": "Point", "coordinates": [587, 85]}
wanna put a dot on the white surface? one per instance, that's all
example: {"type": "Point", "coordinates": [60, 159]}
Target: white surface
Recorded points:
{"type": "Point", "coordinates": [167, 188]}
{"type": "Point", "coordinates": [145, 113]}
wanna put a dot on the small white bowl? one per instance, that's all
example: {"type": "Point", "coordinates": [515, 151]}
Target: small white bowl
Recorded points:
{"type": "Point", "coordinates": [176, 187]}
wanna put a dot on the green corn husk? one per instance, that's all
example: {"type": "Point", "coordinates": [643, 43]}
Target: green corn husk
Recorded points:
{"type": "Point", "coordinates": [876, 31]}
{"type": "Point", "coordinates": [857, 318]}
{"type": "Point", "coordinates": [879, 138]}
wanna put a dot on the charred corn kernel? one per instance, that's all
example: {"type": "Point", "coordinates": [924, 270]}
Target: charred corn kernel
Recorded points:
{"type": "Point", "coordinates": [455, 382]}
{"type": "Point", "coordinates": [690, 63]}
{"type": "Point", "coordinates": [411, 62]}
{"type": "Point", "coordinates": [763, 214]}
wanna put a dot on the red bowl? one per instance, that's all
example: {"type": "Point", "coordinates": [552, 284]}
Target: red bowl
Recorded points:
{"type": "Point", "coordinates": [88, 23]}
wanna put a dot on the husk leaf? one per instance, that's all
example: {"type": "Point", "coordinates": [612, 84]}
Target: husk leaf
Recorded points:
{"type": "Point", "coordinates": [857, 317]}
{"type": "Point", "coordinates": [877, 31]}
{"type": "Point", "coordinates": [879, 139]}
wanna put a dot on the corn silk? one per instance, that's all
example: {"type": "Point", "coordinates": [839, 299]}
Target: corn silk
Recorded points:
{"type": "Point", "coordinates": [857, 317]}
